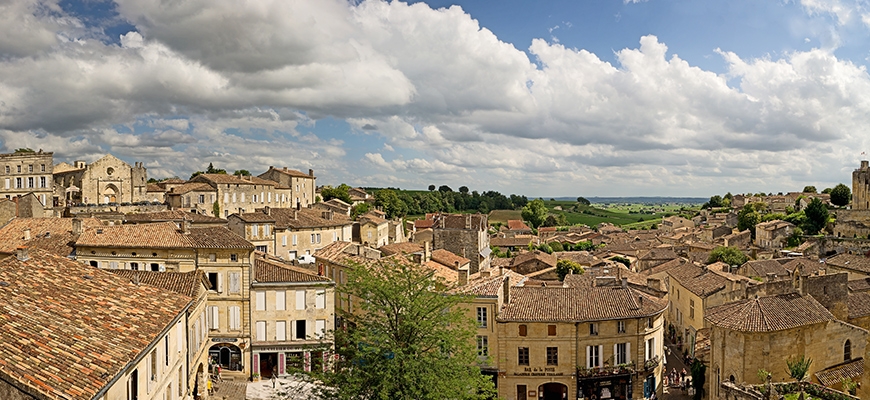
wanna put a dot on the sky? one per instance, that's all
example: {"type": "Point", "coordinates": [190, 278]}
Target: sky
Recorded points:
{"type": "Point", "coordinates": [556, 98]}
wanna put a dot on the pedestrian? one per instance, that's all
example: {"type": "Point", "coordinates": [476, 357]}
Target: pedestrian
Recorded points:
{"type": "Point", "coordinates": [683, 374]}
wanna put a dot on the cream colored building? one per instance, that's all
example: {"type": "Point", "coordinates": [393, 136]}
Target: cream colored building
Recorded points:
{"type": "Point", "coordinates": [374, 230]}
{"type": "Point", "coordinates": [27, 172]}
{"type": "Point", "coordinates": [302, 186]}
{"type": "Point", "coordinates": [293, 314]}
{"type": "Point", "coordinates": [229, 194]}
{"type": "Point", "coordinates": [289, 233]}
{"type": "Point", "coordinates": [107, 180]}
{"type": "Point", "coordinates": [96, 339]}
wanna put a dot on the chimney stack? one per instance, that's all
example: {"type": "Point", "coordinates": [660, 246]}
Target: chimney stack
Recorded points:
{"type": "Point", "coordinates": [21, 253]}
{"type": "Point", "coordinates": [501, 270]}
{"type": "Point", "coordinates": [27, 234]}
{"type": "Point", "coordinates": [506, 289]}
{"type": "Point", "coordinates": [267, 210]}
{"type": "Point", "coordinates": [427, 251]}
{"type": "Point", "coordinates": [185, 226]}
{"type": "Point", "coordinates": [624, 282]}
{"type": "Point", "coordinates": [463, 276]}
{"type": "Point", "coordinates": [865, 164]}
{"type": "Point", "coordinates": [77, 226]}
{"type": "Point", "coordinates": [311, 172]}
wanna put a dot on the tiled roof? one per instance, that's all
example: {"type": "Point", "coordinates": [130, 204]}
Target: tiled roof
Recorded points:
{"type": "Point", "coordinates": [768, 314]}
{"type": "Point", "coordinates": [859, 285]}
{"type": "Point", "coordinates": [859, 304]}
{"type": "Point", "coordinates": [292, 172]}
{"type": "Point", "coordinates": [666, 266]}
{"type": "Point", "coordinates": [773, 225]}
{"type": "Point", "coordinates": [536, 255]}
{"type": "Point", "coordinates": [698, 280]}
{"type": "Point", "coordinates": [192, 187]}
{"type": "Point", "coordinates": [482, 285]}
{"type": "Point", "coordinates": [501, 262]}
{"type": "Point", "coordinates": [290, 218]}
{"type": "Point", "coordinates": [371, 217]}
{"type": "Point", "coordinates": [658, 254]}
{"type": "Point", "coordinates": [400, 248]}
{"type": "Point", "coordinates": [153, 187]}
{"type": "Point", "coordinates": [579, 304]}
{"type": "Point", "coordinates": [764, 267]}
{"type": "Point", "coordinates": [171, 215]}
{"type": "Point", "coordinates": [850, 261]}
{"type": "Point", "coordinates": [510, 242]}
{"type": "Point", "coordinates": [185, 283]}
{"type": "Point", "coordinates": [448, 275]}
{"type": "Point", "coordinates": [53, 235]}
{"type": "Point", "coordinates": [269, 271]}
{"type": "Point", "coordinates": [255, 217]}
{"type": "Point", "coordinates": [580, 257]}
{"type": "Point", "coordinates": [448, 258]}
{"type": "Point", "coordinates": [64, 167]}
{"type": "Point", "coordinates": [224, 179]}
{"type": "Point", "coordinates": [517, 225]}
{"type": "Point", "coordinates": [161, 235]}
{"type": "Point", "coordinates": [332, 251]}
{"type": "Point", "coordinates": [423, 223]}
{"type": "Point", "coordinates": [68, 328]}
{"type": "Point", "coordinates": [807, 267]}
{"type": "Point", "coordinates": [834, 376]}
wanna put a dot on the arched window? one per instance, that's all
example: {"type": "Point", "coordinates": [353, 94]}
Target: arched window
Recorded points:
{"type": "Point", "coordinates": [847, 350]}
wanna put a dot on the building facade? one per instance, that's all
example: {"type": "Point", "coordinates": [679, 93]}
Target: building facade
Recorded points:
{"type": "Point", "coordinates": [301, 186]}
{"type": "Point", "coordinates": [27, 172]}
{"type": "Point", "coordinates": [108, 180]}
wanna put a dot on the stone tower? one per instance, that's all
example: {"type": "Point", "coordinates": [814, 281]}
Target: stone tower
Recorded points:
{"type": "Point", "coordinates": [139, 182]}
{"type": "Point", "coordinates": [861, 187]}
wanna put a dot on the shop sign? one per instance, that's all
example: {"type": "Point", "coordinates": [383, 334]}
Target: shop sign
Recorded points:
{"type": "Point", "coordinates": [539, 371]}
{"type": "Point", "coordinates": [224, 340]}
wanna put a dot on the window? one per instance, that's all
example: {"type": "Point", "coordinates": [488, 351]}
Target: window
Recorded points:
{"type": "Point", "coordinates": [213, 317]}
{"type": "Point", "coordinates": [261, 301]}
{"type": "Point", "coordinates": [300, 329]}
{"type": "Point", "coordinates": [318, 238]}
{"type": "Point", "coordinates": [294, 240]}
{"type": "Point", "coordinates": [620, 352]}
{"type": "Point", "coordinates": [266, 230]}
{"type": "Point", "coordinates": [201, 198]}
{"type": "Point", "coordinates": [847, 350]}
{"type": "Point", "coordinates": [254, 198]}
{"type": "Point", "coordinates": [320, 299]}
{"type": "Point", "coordinates": [593, 329]}
{"type": "Point", "coordinates": [320, 328]}
{"type": "Point", "coordinates": [692, 309]}
{"type": "Point", "coordinates": [593, 356]}
{"type": "Point", "coordinates": [166, 349]}
{"type": "Point", "coordinates": [264, 249]}
{"type": "Point", "coordinates": [551, 330]}
{"type": "Point", "coordinates": [284, 241]}
{"type": "Point", "coordinates": [649, 323]}
{"type": "Point", "coordinates": [235, 318]}
{"type": "Point", "coordinates": [30, 182]}
{"type": "Point", "coordinates": [7, 169]}
{"type": "Point", "coordinates": [300, 299]}
{"type": "Point", "coordinates": [156, 267]}
{"type": "Point", "coordinates": [524, 330]}
{"type": "Point", "coordinates": [255, 230]}
{"type": "Point", "coordinates": [18, 183]}
{"type": "Point", "coordinates": [235, 282]}
{"type": "Point", "coordinates": [620, 326]}
{"type": "Point", "coordinates": [42, 182]}
{"type": "Point", "coordinates": [19, 169]}
{"type": "Point", "coordinates": [481, 317]}
{"type": "Point", "coordinates": [650, 348]}
{"type": "Point", "coordinates": [152, 367]}
{"type": "Point", "coordinates": [313, 239]}
{"type": "Point", "coordinates": [179, 337]}
{"type": "Point", "coordinates": [30, 168]}
{"type": "Point", "coordinates": [280, 300]}
{"type": "Point", "coordinates": [552, 356]}
{"type": "Point", "coordinates": [281, 330]}
{"type": "Point", "coordinates": [215, 279]}
{"type": "Point", "coordinates": [243, 197]}
{"type": "Point", "coordinates": [261, 331]}
{"type": "Point", "coordinates": [132, 383]}
{"type": "Point", "coordinates": [234, 257]}
{"type": "Point", "coordinates": [234, 197]}
{"type": "Point", "coordinates": [482, 346]}
{"type": "Point", "coordinates": [523, 356]}
{"type": "Point", "coordinates": [134, 266]}
{"type": "Point", "coordinates": [7, 183]}
{"type": "Point", "coordinates": [42, 167]}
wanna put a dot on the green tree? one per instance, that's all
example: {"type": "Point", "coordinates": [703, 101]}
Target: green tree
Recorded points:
{"type": "Point", "coordinates": [463, 189]}
{"type": "Point", "coordinates": [444, 188]}
{"type": "Point", "coordinates": [699, 376]}
{"type": "Point", "coordinates": [242, 172]}
{"type": "Point", "coordinates": [798, 367]}
{"type": "Point", "coordinates": [566, 266]}
{"type": "Point", "coordinates": [583, 201]}
{"type": "Point", "coordinates": [342, 192]}
{"type": "Point", "coordinates": [809, 189]}
{"type": "Point", "coordinates": [728, 255]}
{"type": "Point", "coordinates": [827, 190]}
{"type": "Point", "coordinates": [24, 150]}
{"type": "Point", "coordinates": [216, 209]}
{"type": "Point", "coordinates": [747, 218]}
{"type": "Point", "coordinates": [556, 246]}
{"type": "Point", "coordinates": [545, 248]}
{"type": "Point", "coordinates": [816, 217]}
{"type": "Point", "coordinates": [407, 340]}
{"type": "Point", "coordinates": [360, 209]}
{"type": "Point", "coordinates": [431, 187]}
{"type": "Point", "coordinates": [622, 260]}
{"type": "Point", "coordinates": [535, 212]}
{"type": "Point", "coordinates": [841, 195]}
{"type": "Point", "coordinates": [390, 203]}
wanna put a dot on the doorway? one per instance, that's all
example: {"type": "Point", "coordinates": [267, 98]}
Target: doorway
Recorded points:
{"type": "Point", "coordinates": [553, 391]}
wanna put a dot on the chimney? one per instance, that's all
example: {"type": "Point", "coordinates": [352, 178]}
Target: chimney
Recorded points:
{"type": "Point", "coordinates": [267, 210]}
{"type": "Point", "coordinates": [27, 234]}
{"type": "Point", "coordinates": [298, 205]}
{"type": "Point", "coordinates": [311, 172]}
{"type": "Point", "coordinates": [501, 270]}
{"type": "Point", "coordinates": [506, 289]}
{"type": "Point", "coordinates": [295, 215]}
{"type": "Point", "coordinates": [76, 226]}
{"type": "Point", "coordinates": [865, 164]}
{"type": "Point", "coordinates": [21, 253]}
{"type": "Point", "coordinates": [624, 282]}
{"type": "Point", "coordinates": [463, 276]}
{"type": "Point", "coordinates": [427, 252]}
{"type": "Point", "coordinates": [185, 226]}
{"type": "Point", "coordinates": [484, 273]}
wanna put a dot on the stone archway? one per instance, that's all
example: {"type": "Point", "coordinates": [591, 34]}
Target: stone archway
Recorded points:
{"type": "Point", "coordinates": [553, 391]}
{"type": "Point", "coordinates": [110, 193]}
{"type": "Point", "coordinates": [227, 355]}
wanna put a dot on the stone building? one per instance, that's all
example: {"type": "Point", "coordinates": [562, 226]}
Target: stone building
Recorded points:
{"type": "Point", "coordinates": [579, 342]}
{"type": "Point", "coordinates": [300, 185]}
{"type": "Point", "coordinates": [229, 194]}
{"type": "Point", "coordinates": [765, 332]}
{"type": "Point", "coordinates": [292, 311]}
{"type": "Point", "coordinates": [107, 180]}
{"type": "Point", "coordinates": [372, 229]}
{"type": "Point", "coordinates": [290, 232]}
{"type": "Point", "coordinates": [672, 223]}
{"type": "Point", "coordinates": [82, 333]}
{"type": "Point", "coordinates": [861, 187]}
{"type": "Point", "coordinates": [27, 172]}
{"type": "Point", "coordinates": [464, 234]}
{"type": "Point", "coordinates": [855, 222]}
{"type": "Point", "coordinates": [772, 234]}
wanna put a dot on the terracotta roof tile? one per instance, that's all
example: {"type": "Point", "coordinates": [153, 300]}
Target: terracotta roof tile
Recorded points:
{"type": "Point", "coordinates": [191, 187]}
{"type": "Point", "coordinates": [859, 285]}
{"type": "Point", "coordinates": [53, 235]}
{"type": "Point", "coordinates": [699, 281]}
{"type": "Point", "coordinates": [850, 261]}
{"type": "Point", "coordinates": [764, 267]}
{"type": "Point", "coordinates": [489, 284]}
{"type": "Point", "coordinates": [448, 258]}
{"type": "Point", "coordinates": [768, 314]}
{"type": "Point", "coordinates": [255, 217]}
{"type": "Point", "coordinates": [162, 235]}
{"type": "Point", "coordinates": [579, 304]}
{"type": "Point", "coordinates": [401, 248]}
{"type": "Point", "coordinates": [859, 304]}
{"type": "Point", "coordinates": [270, 271]}
{"type": "Point", "coordinates": [292, 172]}
{"type": "Point", "coordinates": [517, 225]}
{"type": "Point", "coordinates": [185, 283]}
{"type": "Point", "coordinates": [511, 241]}
{"type": "Point", "coordinates": [834, 376]}
{"type": "Point", "coordinates": [290, 218]}
{"type": "Point", "coordinates": [172, 215]}
{"type": "Point", "coordinates": [70, 328]}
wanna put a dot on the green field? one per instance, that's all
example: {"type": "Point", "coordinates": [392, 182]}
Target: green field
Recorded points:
{"type": "Point", "coordinates": [503, 216]}
{"type": "Point", "coordinates": [629, 216]}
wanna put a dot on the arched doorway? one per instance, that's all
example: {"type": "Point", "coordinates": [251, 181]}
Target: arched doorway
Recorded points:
{"type": "Point", "coordinates": [200, 377]}
{"type": "Point", "coordinates": [553, 391]}
{"type": "Point", "coordinates": [227, 355]}
{"type": "Point", "coordinates": [110, 194]}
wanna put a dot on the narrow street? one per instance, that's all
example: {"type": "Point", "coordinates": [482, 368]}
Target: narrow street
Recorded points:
{"type": "Point", "coordinates": [675, 361]}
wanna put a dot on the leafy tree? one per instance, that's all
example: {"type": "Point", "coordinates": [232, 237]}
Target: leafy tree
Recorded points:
{"type": "Point", "coordinates": [841, 195]}
{"type": "Point", "coordinates": [827, 190]}
{"type": "Point", "coordinates": [407, 340]}
{"type": "Point", "coordinates": [699, 376]}
{"type": "Point", "coordinates": [798, 367]}
{"type": "Point", "coordinates": [24, 150]}
{"type": "Point", "coordinates": [728, 255]}
{"type": "Point", "coordinates": [565, 267]}
{"type": "Point", "coordinates": [747, 218]}
{"type": "Point", "coordinates": [809, 189]}
{"type": "Point", "coordinates": [545, 248]}
{"type": "Point", "coordinates": [816, 217]}
{"type": "Point", "coordinates": [360, 209]}
{"type": "Point", "coordinates": [583, 201]}
{"type": "Point", "coordinates": [444, 188]}
{"type": "Point", "coordinates": [795, 239]}
{"type": "Point", "coordinates": [342, 192]}
{"type": "Point", "coordinates": [535, 212]}
{"type": "Point", "coordinates": [463, 189]}
{"type": "Point", "coordinates": [390, 203]}
{"type": "Point", "coordinates": [715, 201]}
{"type": "Point", "coordinates": [556, 246]}
{"type": "Point", "coordinates": [622, 260]}
{"type": "Point", "coordinates": [152, 180]}
{"type": "Point", "coordinates": [216, 209]}
{"type": "Point", "coordinates": [242, 172]}
{"type": "Point", "coordinates": [431, 187]}
{"type": "Point", "coordinates": [212, 170]}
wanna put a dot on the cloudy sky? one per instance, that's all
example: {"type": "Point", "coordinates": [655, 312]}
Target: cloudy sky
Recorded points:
{"type": "Point", "coordinates": [555, 98]}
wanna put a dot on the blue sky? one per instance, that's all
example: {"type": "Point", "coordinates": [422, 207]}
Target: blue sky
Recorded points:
{"type": "Point", "coordinates": [556, 98]}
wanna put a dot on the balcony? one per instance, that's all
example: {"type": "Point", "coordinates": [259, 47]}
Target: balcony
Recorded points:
{"type": "Point", "coordinates": [606, 370]}
{"type": "Point", "coordinates": [652, 363]}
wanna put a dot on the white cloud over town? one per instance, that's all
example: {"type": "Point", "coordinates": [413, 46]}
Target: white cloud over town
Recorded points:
{"type": "Point", "coordinates": [446, 101]}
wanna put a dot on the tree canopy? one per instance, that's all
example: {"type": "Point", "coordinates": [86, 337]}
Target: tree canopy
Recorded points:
{"type": "Point", "coordinates": [748, 217]}
{"type": "Point", "coordinates": [809, 189]}
{"type": "Point", "coordinates": [727, 255]}
{"type": "Point", "coordinates": [816, 217]}
{"type": "Point", "coordinates": [242, 172]}
{"type": "Point", "coordinates": [582, 200]}
{"type": "Point", "coordinates": [406, 340]}
{"type": "Point", "coordinates": [841, 195]}
{"type": "Point", "coordinates": [342, 192]}
{"type": "Point", "coordinates": [566, 266]}
{"type": "Point", "coordinates": [535, 212]}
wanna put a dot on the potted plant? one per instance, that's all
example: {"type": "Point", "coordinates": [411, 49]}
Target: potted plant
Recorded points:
{"type": "Point", "coordinates": [255, 377]}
